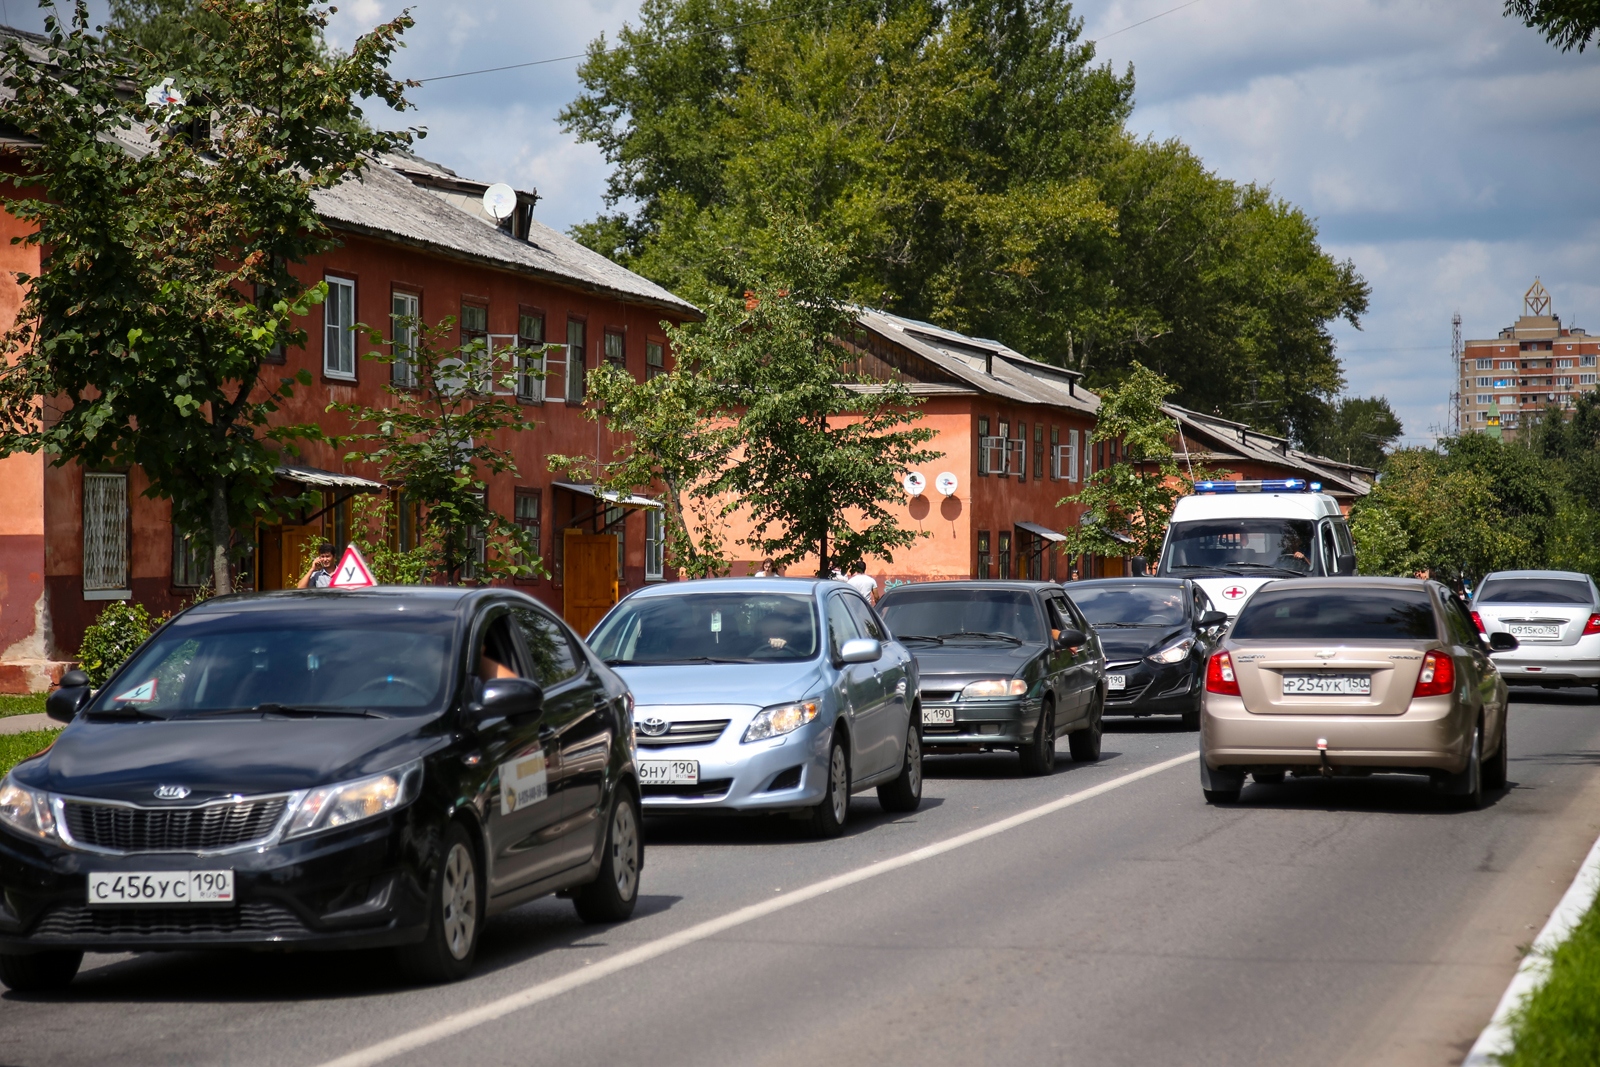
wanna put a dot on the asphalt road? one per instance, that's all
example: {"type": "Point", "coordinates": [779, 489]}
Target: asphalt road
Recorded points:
{"type": "Point", "coordinates": [1345, 922]}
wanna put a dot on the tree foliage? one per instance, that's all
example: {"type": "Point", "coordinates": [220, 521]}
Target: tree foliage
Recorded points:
{"type": "Point", "coordinates": [972, 155]}
{"type": "Point", "coordinates": [1356, 429]}
{"type": "Point", "coordinates": [148, 336]}
{"type": "Point", "coordinates": [1133, 497]}
{"type": "Point", "coordinates": [439, 439]}
{"type": "Point", "coordinates": [1567, 24]}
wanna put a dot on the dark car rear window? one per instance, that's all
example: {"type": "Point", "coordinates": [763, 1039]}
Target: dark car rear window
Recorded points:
{"type": "Point", "coordinates": [1360, 614]}
{"type": "Point", "coordinates": [1535, 591]}
{"type": "Point", "coordinates": [958, 610]}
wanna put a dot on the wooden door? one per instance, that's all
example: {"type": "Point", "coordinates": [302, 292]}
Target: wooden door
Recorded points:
{"type": "Point", "coordinates": [589, 584]}
{"type": "Point", "coordinates": [299, 549]}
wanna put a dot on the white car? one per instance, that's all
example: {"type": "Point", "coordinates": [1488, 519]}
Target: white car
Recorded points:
{"type": "Point", "coordinates": [1232, 538]}
{"type": "Point", "coordinates": [1555, 617]}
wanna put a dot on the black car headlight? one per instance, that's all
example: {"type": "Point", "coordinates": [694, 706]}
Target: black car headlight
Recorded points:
{"type": "Point", "coordinates": [331, 806]}
{"type": "Point", "coordinates": [1172, 653]}
{"type": "Point", "coordinates": [28, 811]}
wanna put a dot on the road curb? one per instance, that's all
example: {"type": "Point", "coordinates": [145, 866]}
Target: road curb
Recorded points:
{"type": "Point", "coordinates": [1496, 1037]}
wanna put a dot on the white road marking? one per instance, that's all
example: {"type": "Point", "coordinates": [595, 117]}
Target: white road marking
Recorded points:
{"type": "Point", "coordinates": [534, 994]}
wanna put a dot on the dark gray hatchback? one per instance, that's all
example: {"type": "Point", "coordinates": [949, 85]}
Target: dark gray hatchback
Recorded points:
{"type": "Point", "coordinates": [1004, 665]}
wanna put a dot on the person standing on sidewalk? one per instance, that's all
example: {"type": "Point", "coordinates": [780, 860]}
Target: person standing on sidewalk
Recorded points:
{"type": "Point", "coordinates": [320, 574]}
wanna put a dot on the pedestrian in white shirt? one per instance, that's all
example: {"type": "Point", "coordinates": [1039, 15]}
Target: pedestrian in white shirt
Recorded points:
{"type": "Point", "coordinates": [866, 585]}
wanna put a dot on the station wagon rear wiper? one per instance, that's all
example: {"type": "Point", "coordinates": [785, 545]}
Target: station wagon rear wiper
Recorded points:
{"type": "Point", "coordinates": [990, 636]}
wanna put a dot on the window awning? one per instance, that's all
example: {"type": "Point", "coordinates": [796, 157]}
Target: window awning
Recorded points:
{"type": "Point", "coordinates": [1042, 531]}
{"type": "Point", "coordinates": [632, 503]}
{"type": "Point", "coordinates": [321, 479]}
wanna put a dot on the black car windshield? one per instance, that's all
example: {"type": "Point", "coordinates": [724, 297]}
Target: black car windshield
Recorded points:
{"type": "Point", "coordinates": [1535, 591]}
{"type": "Point", "coordinates": [1240, 544]}
{"type": "Point", "coordinates": [954, 611]}
{"type": "Point", "coordinates": [1131, 605]}
{"type": "Point", "coordinates": [1362, 614]}
{"type": "Point", "coordinates": [330, 658]}
{"type": "Point", "coordinates": [723, 627]}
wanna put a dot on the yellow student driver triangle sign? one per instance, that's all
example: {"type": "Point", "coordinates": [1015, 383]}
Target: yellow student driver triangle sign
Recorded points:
{"type": "Point", "coordinates": [352, 570]}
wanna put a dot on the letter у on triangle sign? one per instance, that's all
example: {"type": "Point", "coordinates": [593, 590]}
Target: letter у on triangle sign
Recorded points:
{"type": "Point", "coordinates": [352, 570]}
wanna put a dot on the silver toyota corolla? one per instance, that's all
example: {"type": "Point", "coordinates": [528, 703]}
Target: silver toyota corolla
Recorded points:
{"type": "Point", "coordinates": [765, 695]}
{"type": "Point", "coordinates": [1555, 617]}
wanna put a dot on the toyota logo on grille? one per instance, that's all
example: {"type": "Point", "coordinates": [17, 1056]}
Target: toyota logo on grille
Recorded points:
{"type": "Point", "coordinates": [171, 792]}
{"type": "Point", "coordinates": [653, 727]}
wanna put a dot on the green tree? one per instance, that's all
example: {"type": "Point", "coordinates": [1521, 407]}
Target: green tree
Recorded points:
{"type": "Point", "coordinates": [169, 283]}
{"type": "Point", "coordinates": [973, 156]}
{"type": "Point", "coordinates": [1356, 429]}
{"type": "Point", "coordinates": [1567, 24]}
{"type": "Point", "coordinates": [439, 440]}
{"type": "Point", "coordinates": [1133, 497]}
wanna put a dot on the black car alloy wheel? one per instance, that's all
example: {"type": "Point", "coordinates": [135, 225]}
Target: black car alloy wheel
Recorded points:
{"type": "Point", "coordinates": [455, 914]}
{"type": "Point", "coordinates": [611, 897]}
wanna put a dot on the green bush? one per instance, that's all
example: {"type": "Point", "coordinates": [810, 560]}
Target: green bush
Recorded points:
{"type": "Point", "coordinates": [1559, 1025]}
{"type": "Point", "coordinates": [121, 628]}
{"type": "Point", "coordinates": [14, 748]}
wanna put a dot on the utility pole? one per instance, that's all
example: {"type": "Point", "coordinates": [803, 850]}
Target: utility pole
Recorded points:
{"type": "Point", "coordinates": [1457, 354]}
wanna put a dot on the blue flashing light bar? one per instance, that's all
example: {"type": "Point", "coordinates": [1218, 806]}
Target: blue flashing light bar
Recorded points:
{"type": "Point", "coordinates": [1285, 485]}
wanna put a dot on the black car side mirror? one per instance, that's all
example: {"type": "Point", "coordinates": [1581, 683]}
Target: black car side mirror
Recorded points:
{"type": "Point", "coordinates": [1070, 638]}
{"type": "Point", "coordinates": [1502, 642]}
{"type": "Point", "coordinates": [1212, 618]}
{"type": "Point", "coordinates": [63, 704]}
{"type": "Point", "coordinates": [1346, 563]}
{"type": "Point", "coordinates": [505, 698]}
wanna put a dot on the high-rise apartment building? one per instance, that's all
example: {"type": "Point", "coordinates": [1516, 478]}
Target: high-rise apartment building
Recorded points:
{"type": "Point", "coordinates": [1534, 363]}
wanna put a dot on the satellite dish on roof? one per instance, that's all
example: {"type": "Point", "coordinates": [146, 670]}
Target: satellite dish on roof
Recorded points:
{"type": "Point", "coordinates": [500, 200]}
{"type": "Point", "coordinates": [164, 95]}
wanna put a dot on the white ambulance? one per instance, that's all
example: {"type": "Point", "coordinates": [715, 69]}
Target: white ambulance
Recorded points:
{"type": "Point", "coordinates": [1235, 537]}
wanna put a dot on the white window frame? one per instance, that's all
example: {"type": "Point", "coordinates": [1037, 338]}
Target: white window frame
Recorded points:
{"type": "Point", "coordinates": [1486, 364]}
{"type": "Point", "coordinates": [403, 371]}
{"type": "Point", "coordinates": [1483, 383]}
{"type": "Point", "coordinates": [1017, 450]}
{"type": "Point", "coordinates": [338, 332]}
{"type": "Point", "coordinates": [106, 550]}
{"type": "Point", "coordinates": [1587, 361]}
{"type": "Point", "coordinates": [530, 386]}
{"type": "Point", "coordinates": [536, 526]}
{"type": "Point", "coordinates": [575, 360]}
{"type": "Point", "coordinates": [655, 546]}
{"type": "Point", "coordinates": [1586, 379]}
{"type": "Point", "coordinates": [993, 448]}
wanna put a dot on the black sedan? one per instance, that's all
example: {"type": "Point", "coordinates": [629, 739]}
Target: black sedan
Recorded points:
{"type": "Point", "coordinates": [1003, 665]}
{"type": "Point", "coordinates": [1157, 634]}
{"type": "Point", "coordinates": [323, 769]}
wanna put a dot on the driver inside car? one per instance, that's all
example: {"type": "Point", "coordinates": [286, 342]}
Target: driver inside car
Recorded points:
{"type": "Point", "coordinates": [496, 656]}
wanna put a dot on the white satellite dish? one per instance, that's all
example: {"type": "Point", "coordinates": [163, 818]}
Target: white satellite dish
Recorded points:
{"type": "Point", "coordinates": [500, 200]}
{"type": "Point", "coordinates": [946, 483]}
{"type": "Point", "coordinates": [163, 95]}
{"type": "Point", "coordinates": [915, 484]}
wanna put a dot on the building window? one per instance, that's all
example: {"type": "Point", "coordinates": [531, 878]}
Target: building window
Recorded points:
{"type": "Point", "coordinates": [1055, 453]}
{"type": "Point", "coordinates": [1586, 361]}
{"type": "Point", "coordinates": [530, 334]}
{"type": "Point", "coordinates": [576, 339]}
{"type": "Point", "coordinates": [1485, 364]}
{"type": "Point", "coordinates": [105, 536]}
{"type": "Point", "coordinates": [616, 349]}
{"type": "Point", "coordinates": [1585, 379]}
{"type": "Point", "coordinates": [983, 554]}
{"type": "Point", "coordinates": [1017, 451]}
{"type": "Point", "coordinates": [527, 517]}
{"type": "Point", "coordinates": [1072, 455]}
{"type": "Point", "coordinates": [1483, 416]}
{"type": "Point", "coordinates": [403, 316]}
{"type": "Point", "coordinates": [1483, 383]}
{"type": "Point", "coordinates": [1038, 451]}
{"type": "Point", "coordinates": [615, 521]}
{"type": "Point", "coordinates": [1561, 363]}
{"type": "Point", "coordinates": [655, 359]}
{"type": "Point", "coordinates": [655, 545]}
{"type": "Point", "coordinates": [339, 339]}
{"type": "Point", "coordinates": [188, 560]}
{"type": "Point", "coordinates": [477, 550]}
{"type": "Point", "coordinates": [983, 447]}
{"type": "Point", "coordinates": [1005, 553]}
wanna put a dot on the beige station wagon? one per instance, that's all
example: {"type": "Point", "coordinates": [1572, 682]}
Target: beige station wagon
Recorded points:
{"type": "Point", "coordinates": [1350, 676]}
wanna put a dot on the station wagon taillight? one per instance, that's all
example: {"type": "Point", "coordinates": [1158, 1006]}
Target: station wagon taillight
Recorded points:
{"type": "Point", "coordinates": [1592, 626]}
{"type": "Point", "coordinates": [1437, 677]}
{"type": "Point", "coordinates": [1220, 677]}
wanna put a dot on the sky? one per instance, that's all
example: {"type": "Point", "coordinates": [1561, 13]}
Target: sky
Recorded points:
{"type": "Point", "coordinates": [1448, 151]}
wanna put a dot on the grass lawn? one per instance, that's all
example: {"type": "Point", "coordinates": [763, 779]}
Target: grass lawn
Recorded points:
{"type": "Point", "coordinates": [14, 748]}
{"type": "Point", "coordinates": [1559, 1026]}
{"type": "Point", "coordinates": [26, 704]}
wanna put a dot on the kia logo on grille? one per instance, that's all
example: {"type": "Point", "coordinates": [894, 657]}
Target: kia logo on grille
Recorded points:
{"type": "Point", "coordinates": [653, 727]}
{"type": "Point", "coordinates": [171, 792]}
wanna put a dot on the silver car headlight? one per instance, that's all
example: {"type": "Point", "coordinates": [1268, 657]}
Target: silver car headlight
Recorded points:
{"type": "Point", "coordinates": [1173, 652]}
{"type": "Point", "coordinates": [349, 802]}
{"type": "Point", "coordinates": [995, 687]}
{"type": "Point", "coordinates": [27, 810]}
{"type": "Point", "coordinates": [780, 719]}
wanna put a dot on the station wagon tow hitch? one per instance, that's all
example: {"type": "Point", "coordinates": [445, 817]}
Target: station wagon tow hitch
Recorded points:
{"type": "Point", "coordinates": [1322, 750]}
